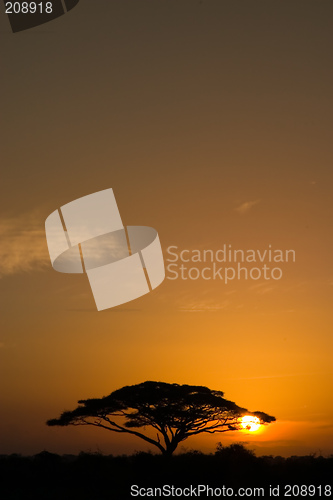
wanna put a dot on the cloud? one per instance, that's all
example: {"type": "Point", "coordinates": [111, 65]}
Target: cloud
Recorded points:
{"type": "Point", "coordinates": [261, 288]}
{"type": "Point", "coordinates": [245, 207]}
{"type": "Point", "coordinates": [22, 244]}
{"type": "Point", "coordinates": [285, 375]}
{"type": "Point", "coordinates": [205, 307]}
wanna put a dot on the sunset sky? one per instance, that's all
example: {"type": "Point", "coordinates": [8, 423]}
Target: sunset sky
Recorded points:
{"type": "Point", "coordinates": [212, 122]}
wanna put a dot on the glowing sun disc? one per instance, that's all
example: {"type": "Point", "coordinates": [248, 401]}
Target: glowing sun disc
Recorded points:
{"type": "Point", "coordinates": [250, 423]}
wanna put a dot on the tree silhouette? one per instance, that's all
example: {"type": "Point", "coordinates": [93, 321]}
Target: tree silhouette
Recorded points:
{"type": "Point", "coordinates": [174, 411]}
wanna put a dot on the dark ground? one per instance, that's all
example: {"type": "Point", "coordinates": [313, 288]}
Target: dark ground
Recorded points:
{"type": "Point", "coordinates": [97, 477]}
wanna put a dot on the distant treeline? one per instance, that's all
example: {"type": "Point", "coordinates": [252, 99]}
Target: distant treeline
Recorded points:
{"type": "Point", "coordinates": [93, 476]}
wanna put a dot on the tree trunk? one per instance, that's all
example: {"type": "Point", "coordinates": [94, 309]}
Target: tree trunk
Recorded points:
{"type": "Point", "coordinates": [170, 448]}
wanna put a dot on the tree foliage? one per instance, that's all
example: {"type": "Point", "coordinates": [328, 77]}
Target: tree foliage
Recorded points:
{"type": "Point", "coordinates": [174, 412]}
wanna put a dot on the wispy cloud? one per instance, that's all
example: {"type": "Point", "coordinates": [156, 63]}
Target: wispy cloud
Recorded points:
{"type": "Point", "coordinates": [22, 244]}
{"type": "Point", "coordinates": [285, 375]}
{"type": "Point", "coordinates": [205, 307]}
{"type": "Point", "coordinates": [245, 207]}
{"type": "Point", "coordinates": [261, 288]}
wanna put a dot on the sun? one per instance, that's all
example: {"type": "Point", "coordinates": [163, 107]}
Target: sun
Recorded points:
{"type": "Point", "coordinates": [250, 423]}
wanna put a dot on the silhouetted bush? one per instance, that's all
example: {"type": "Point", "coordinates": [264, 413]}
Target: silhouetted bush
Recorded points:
{"type": "Point", "coordinates": [93, 476]}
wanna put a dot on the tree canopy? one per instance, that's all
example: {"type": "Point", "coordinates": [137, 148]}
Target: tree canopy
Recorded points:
{"type": "Point", "coordinates": [175, 412]}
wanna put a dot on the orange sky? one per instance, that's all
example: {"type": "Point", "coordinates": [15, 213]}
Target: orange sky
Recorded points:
{"type": "Point", "coordinates": [211, 122]}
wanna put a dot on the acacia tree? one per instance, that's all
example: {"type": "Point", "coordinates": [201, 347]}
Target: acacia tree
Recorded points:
{"type": "Point", "coordinates": [174, 411]}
